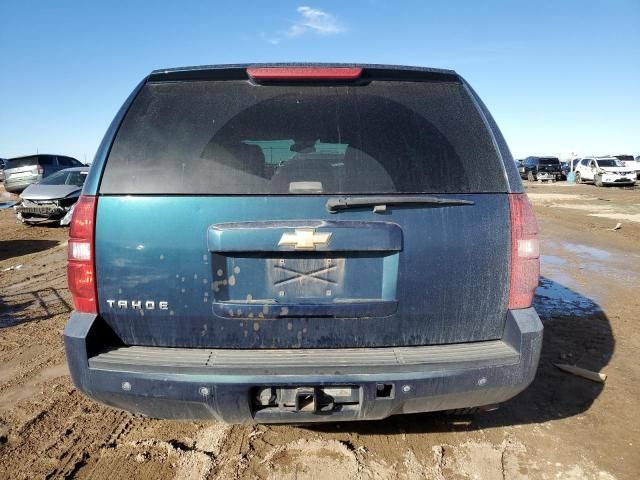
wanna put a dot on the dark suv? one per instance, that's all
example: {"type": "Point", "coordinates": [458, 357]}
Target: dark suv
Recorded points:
{"type": "Point", "coordinates": [541, 168]}
{"type": "Point", "coordinates": [300, 243]}
{"type": "Point", "coordinates": [21, 172]}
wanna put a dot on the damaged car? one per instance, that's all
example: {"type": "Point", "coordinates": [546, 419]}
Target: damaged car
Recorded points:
{"type": "Point", "coordinates": [603, 171]}
{"type": "Point", "coordinates": [53, 198]}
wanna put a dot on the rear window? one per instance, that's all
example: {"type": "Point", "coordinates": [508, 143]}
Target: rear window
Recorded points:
{"type": "Point", "coordinates": [549, 161]}
{"type": "Point", "coordinates": [65, 178]}
{"type": "Point", "coordinates": [231, 137]}
{"type": "Point", "coordinates": [21, 162]}
{"type": "Point", "coordinates": [67, 162]}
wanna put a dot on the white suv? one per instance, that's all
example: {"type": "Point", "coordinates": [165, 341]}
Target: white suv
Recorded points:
{"type": "Point", "coordinates": [629, 162]}
{"type": "Point", "coordinates": [604, 171]}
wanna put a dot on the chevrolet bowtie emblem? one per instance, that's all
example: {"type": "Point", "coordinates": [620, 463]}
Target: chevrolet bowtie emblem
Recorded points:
{"type": "Point", "coordinates": [304, 239]}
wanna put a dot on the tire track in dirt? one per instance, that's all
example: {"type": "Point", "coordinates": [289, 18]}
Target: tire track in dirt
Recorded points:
{"type": "Point", "coordinates": [54, 433]}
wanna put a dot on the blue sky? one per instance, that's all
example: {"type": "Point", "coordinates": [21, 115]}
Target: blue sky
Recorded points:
{"type": "Point", "coordinates": [559, 76]}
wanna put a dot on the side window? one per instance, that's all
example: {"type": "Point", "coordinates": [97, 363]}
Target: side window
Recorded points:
{"type": "Point", "coordinates": [46, 160]}
{"type": "Point", "coordinates": [65, 162]}
{"type": "Point", "coordinates": [584, 162]}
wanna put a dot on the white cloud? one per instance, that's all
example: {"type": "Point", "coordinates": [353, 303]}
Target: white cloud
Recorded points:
{"type": "Point", "coordinates": [310, 21]}
{"type": "Point", "coordinates": [316, 21]}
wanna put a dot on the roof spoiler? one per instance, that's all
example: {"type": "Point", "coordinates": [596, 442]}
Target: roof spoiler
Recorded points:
{"type": "Point", "coordinates": [367, 72]}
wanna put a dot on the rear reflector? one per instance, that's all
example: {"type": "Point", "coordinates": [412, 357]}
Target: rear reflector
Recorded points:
{"type": "Point", "coordinates": [81, 263]}
{"type": "Point", "coordinates": [304, 73]}
{"type": "Point", "coordinates": [525, 252]}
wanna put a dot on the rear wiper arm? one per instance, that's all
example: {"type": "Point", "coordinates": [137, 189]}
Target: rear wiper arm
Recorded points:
{"type": "Point", "coordinates": [380, 203]}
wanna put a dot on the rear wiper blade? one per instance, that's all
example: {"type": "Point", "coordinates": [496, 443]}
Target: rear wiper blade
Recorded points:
{"type": "Point", "coordinates": [380, 203]}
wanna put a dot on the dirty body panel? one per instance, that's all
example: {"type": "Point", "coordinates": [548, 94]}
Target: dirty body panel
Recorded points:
{"type": "Point", "coordinates": [370, 291]}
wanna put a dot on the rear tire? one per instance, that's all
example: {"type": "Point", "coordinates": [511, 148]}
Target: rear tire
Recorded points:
{"type": "Point", "coordinates": [578, 178]}
{"type": "Point", "coordinates": [531, 177]}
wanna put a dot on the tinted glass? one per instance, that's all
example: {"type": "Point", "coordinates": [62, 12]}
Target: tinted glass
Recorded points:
{"type": "Point", "coordinates": [21, 162]}
{"type": "Point", "coordinates": [76, 178]}
{"type": "Point", "coordinates": [46, 160]}
{"type": "Point", "coordinates": [230, 137]}
{"type": "Point", "coordinates": [65, 178]}
{"type": "Point", "coordinates": [58, 178]}
{"type": "Point", "coordinates": [549, 161]}
{"type": "Point", "coordinates": [609, 163]}
{"type": "Point", "coordinates": [66, 161]}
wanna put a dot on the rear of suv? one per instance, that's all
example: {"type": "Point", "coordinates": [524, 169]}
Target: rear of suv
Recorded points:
{"type": "Point", "coordinates": [21, 172]}
{"type": "Point", "coordinates": [629, 162]}
{"type": "Point", "coordinates": [541, 168]}
{"type": "Point", "coordinates": [302, 243]}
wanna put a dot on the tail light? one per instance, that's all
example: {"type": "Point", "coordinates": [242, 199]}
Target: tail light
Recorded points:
{"type": "Point", "coordinates": [81, 262]}
{"type": "Point", "coordinates": [40, 170]}
{"type": "Point", "coordinates": [304, 73]}
{"type": "Point", "coordinates": [525, 252]}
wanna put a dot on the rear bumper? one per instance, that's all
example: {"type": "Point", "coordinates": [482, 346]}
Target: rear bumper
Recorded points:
{"type": "Point", "coordinates": [18, 185]}
{"type": "Point", "coordinates": [548, 175]}
{"type": "Point", "coordinates": [218, 384]}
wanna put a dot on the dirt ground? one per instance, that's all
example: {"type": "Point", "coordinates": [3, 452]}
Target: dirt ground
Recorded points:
{"type": "Point", "coordinates": [562, 426]}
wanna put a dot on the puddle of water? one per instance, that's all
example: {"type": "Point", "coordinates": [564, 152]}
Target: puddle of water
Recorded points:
{"type": "Point", "coordinates": [553, 299]}
{"type": "Point", "coordinates": [566, 256]}
{"type": "Point", "coordinates": [552, 260]}
{"type": "Point", "coordinates": [587, 252]}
